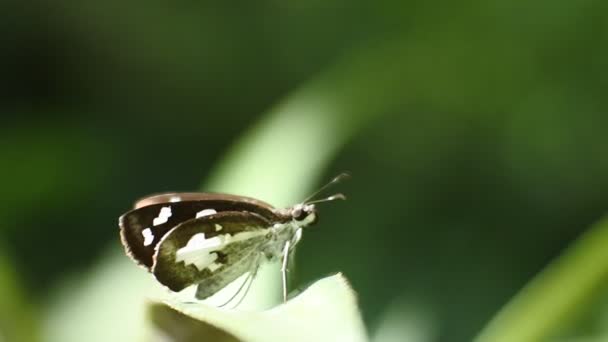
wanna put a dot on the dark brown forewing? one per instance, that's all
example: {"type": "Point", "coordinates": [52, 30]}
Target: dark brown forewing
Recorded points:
{"type": "Point", "coordinates": [196, 196]}
{"type": "Point", "coordinates": [133, 223]}
{"type": "Point", "coordinates": [233, 259]}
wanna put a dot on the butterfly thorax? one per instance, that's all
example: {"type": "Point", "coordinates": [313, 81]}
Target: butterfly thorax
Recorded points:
{"type": "Point", "coordinates": [296, 218]}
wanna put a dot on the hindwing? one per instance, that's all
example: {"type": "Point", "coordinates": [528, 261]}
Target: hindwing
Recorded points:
{"type": "Point", "coordinates": [214, 250]}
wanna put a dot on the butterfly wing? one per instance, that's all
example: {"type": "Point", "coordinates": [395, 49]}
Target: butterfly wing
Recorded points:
{"type": "Point", "coordinates": [172, 197]}
{"type": "Point", "coordinates": [213, 250]}
{"type": "Point", "coordinates": [217, 281]}
{"type": "Point", "coordinates": [142, 228]}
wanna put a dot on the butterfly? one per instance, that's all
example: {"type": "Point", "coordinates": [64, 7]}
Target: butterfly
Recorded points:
{"type": "Point", "coordinates": [211, 239]}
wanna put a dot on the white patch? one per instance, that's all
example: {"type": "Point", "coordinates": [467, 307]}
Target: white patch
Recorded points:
{"type": "Point", "coordinates": [206, 212]}
{"type": "Point", "coordinates": [214, 266]}
{"type": "Point", "coordinates": [218, 227]}
{"type": "Point", "coordinates": [148, 236]}
{"type": "Point", "coordinates": [199, 251]}
{"type": "Point", "coordinates": [163, 216]}
{"type": "Point", "coordinates": [174, 199]}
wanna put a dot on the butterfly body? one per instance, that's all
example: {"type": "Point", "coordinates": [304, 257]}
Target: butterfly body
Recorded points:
{"type": "Point", "coordinates": [209, 239]}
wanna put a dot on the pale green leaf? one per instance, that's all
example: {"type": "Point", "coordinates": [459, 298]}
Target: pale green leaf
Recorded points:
{"type": "Point", "coordinates": [326, 311]}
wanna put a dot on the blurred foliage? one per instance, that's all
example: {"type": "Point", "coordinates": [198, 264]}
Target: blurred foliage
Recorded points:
{"type": "Point", "coordinates": [559, 295]}
{"type": "Point", "coordinates": [474, 131]}
{"type": "Point", "coordinates": [17, 318]}
{"type": "Point", "coordinates": [254, 156]}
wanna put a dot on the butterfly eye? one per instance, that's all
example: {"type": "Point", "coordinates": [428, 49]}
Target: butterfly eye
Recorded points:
{"type": "Point", "coordinates": [299, 214]}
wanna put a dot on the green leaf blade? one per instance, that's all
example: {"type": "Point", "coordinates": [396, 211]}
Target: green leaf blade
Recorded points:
{"type": "Point", "coordinates": [326, 311]}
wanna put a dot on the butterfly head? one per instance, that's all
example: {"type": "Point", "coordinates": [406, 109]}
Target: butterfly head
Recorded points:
{"type": "Point", "coordinates": [304, 214]}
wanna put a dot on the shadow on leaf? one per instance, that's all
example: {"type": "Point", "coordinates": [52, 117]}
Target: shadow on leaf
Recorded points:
{"type": "Point", "coordinates": [171, 325]}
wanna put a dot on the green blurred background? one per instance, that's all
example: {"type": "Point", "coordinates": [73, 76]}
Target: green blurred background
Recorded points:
{"type": "Point", "coordinates": [475, 132]}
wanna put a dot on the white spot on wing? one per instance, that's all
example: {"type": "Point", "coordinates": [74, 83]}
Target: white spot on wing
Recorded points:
{"type": "Point", "coordinates": [214, 266]}
{"type": "Point", "coordinates": [206, 212]}
{"type": "Point", "coordinates": [218, 227]}
{"type": "Point", "coordinates": [148, 236]}
{"type": "Point", "coordinates": [163, 216]}
{"type": "Point", "coordinates": [199, 251]}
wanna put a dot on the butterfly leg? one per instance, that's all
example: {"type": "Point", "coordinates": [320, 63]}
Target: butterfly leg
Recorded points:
{"type": "Point", "coordinates": [284, 269]}
{"type": "Point", "coordinates": [253, 274]}
{"type": "Point", "coordinates": [248, 281]}
{"type": "Point", "coordinates": [296, 238]}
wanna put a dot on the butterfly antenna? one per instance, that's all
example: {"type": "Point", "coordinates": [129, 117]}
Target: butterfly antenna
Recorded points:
{"type": "Point", "coordinates": [336, 180]}
{"type": "Point", "coordinates": [328, 199]}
